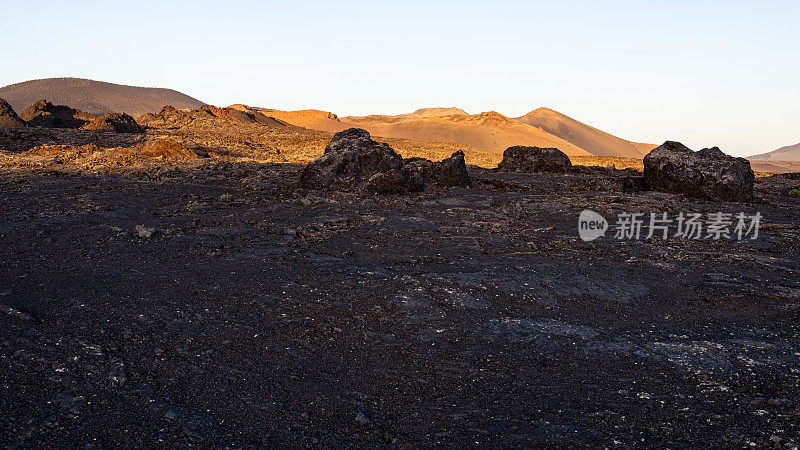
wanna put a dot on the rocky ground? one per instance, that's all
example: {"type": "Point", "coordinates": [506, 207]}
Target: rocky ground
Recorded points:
{"type": "Point", "coordinates": [216, 303]}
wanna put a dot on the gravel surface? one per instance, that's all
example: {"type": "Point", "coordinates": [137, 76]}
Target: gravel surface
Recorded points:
{"type": "Point", "coordinates": [151, 309]}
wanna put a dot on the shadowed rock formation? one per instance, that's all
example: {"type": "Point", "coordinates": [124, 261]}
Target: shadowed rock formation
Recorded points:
{"type": "Point", "coordinates": [351, 157]}
{"type": "Point", "coordinates": [47, 115]}
{"type": "Point", "coordinates": [419, 173]}
{"type": "Point", "coordinates": [534, 159]}
{"type": "Point", "coordinates": [119, 122]}
{"type": "Point", "coordinates": [8, 118]}
{"type": "Point", "coordinates": [239, 116]}
{"type": "Point", "coordinates": [233, 116]}
{"type": "Point", "coordinates": [449, 172]}
{"type": "Point", "coordinates": [708, 174]}
{"type": "Point", "coordinates": [396, 181]}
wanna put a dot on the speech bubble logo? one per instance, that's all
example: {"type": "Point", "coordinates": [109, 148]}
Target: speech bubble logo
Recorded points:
{"type": "Point", "coordinates": [591, 225]}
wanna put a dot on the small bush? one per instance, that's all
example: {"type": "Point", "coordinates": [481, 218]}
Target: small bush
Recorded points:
{"type": "Point", "coordinates": [194, 206]}
{"type": "Point", "coordinates": [795, 192]}
{"type": "Point", "coordinates": [226, 196]}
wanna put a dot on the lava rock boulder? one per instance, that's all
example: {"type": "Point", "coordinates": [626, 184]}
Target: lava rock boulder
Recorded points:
{"type": "Point", "coordinates": [446, 173]}
{"type": "Point", "coordinates": [707, 174]}
{"type": "Point", "coordinates": [418, 173]}
{"type": "Point", "coordinates": [534, 159]}
{"type": "Point", "coordinates": [118, 122]}
{"type": "Point", "coordinates": [351, 158]}
{"type": "Point", "coordinates": [404, 180]}
{"type": "Point", "coordinates": [47, 115]}
{"type": "Point", "coordinates": [8, 118]}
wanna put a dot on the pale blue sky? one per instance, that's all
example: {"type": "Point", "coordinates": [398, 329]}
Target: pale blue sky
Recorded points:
{"type": "Point", "coordinates": [709, 73]}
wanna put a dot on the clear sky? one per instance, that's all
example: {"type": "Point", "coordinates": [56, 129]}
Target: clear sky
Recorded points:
{"type": "Point", "coordinates": [722, 73]}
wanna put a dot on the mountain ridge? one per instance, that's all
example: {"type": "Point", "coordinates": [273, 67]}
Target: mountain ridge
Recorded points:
{"type": "Point", "coordinates": [591, 139]}
{"type": "Point", "coordinates": [787, 153]}
{"type": "Point", "coordinates": [488, 130]}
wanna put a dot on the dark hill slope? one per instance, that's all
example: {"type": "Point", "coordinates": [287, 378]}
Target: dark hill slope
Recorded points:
{"type": "Point", "coordinates": [96, 97]}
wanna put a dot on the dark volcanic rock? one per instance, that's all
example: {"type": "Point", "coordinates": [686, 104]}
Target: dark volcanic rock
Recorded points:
{"type": "Point", "coordinates": [119, 122]}
{"type": "Point", "coordinates": [481, 314]}
{"type": "Point", "coordinates": [350, 158]}
{"type": "Point", "coordinates": [534, 159]}
{"type": "Point", "coordinates": [396, 181]}
{"type": "Point", "coordinates": [207, 114]}
{"type": "Point", "coordinates": [45, 114]}
{"type": "Point", "coordinates": [168, 115]}
{"type": "Point", "coordinates": [43, 119]}
{"type": "Point", "coordinates": [238, 116]}
{"type": "Point", "coordinates": [451, 171]}
{"type": "Point", "coordinates": [707, 174]}
{"type": "Point", "coordinates": [633, 183]}
{"type": "Point", "coordinates": [611, 179]}
{"type": "Point", "coordinates": [418, 173]}
{"type": "Point", "coordinates": [229, 114]}
{"type": "Point", "coordinates": [448, 172]}
{"type": "Point", "coordinates": [9, 118]}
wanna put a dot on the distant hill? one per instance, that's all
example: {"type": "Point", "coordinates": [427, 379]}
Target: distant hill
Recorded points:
{"type": "Point", "coordinates": [594, 141]}
{"type": "Point", "coordinates": [96, 97]}
{"type": "Point", "coordinates": [439, 112]}
{"type": "Point", "coordinates": [788, 153]}
{"type": "Point", "coordinates": [774, 166]}
{"type": "Point", "coordinates": [313, 119]}
{"type": "Point", "coordinates": [488, 131]}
